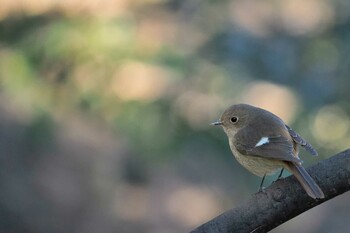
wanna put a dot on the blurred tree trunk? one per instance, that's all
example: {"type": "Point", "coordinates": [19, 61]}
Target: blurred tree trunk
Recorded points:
{"type": "Point", "coordinates": [283, 200]}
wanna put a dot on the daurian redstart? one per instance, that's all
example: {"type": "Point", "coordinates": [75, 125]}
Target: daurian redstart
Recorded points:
{"type": "Point", "coordinates": [262, 143]}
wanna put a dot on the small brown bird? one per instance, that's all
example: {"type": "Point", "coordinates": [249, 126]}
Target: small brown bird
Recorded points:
{"type": "Point", "coordinates": [262, 143]}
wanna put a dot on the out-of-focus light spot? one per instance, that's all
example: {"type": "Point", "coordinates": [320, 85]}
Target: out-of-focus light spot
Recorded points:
{"type": "Point", "coordinates": [295, 16]}
{"type": "Point", "coordinates": [105, 8]}
{"type": "Point", "coordinates": [331, 125]}
{"type": "Point", "coordinates": [192, 206]}
{"type": "Point", "coordinates": [301, 17]}
{"type": "Point", "coordinates": [154, 32]}
{"type": "Point", "coordinates": [138, 81]}
{"type": "Point", "coordinates": [278, 99]}
{"type": "Point", "coordinates": [252, 15]}
{"type": "Point", "coordinates": [198, 109]}
{"type": "Point", "coordinates": [132, 203]}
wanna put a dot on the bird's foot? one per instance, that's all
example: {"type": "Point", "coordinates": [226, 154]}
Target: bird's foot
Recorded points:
{"type": "Point", "coordinates": [261, 190]}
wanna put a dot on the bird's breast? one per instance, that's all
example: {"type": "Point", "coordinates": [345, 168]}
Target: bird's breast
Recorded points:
{"type": "Point", "coordinates": [257, 165]}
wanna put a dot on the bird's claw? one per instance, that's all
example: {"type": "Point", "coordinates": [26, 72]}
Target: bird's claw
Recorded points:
{"type": "Point", "coordinates": [261, 190]}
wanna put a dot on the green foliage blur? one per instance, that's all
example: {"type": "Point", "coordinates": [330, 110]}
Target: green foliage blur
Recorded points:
{"type": "Point", "coordinates": [105, 107]}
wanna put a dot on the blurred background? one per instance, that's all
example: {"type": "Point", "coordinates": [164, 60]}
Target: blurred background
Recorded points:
{"type": "Point", "coordinates": [105, 107]}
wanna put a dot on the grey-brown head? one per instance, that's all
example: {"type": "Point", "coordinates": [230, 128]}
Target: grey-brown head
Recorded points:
{"type": "Point", "coordinates": [237, 116]}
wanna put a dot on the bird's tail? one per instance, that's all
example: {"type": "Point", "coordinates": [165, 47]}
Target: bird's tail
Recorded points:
{"type": "Point", "coordinates": [310, 186]}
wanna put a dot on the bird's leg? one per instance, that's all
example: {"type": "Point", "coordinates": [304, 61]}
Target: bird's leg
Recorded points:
{"type": "Point", "coordinates": [280, 175]}
{"type": "Point", "coordinates": [261, 184]}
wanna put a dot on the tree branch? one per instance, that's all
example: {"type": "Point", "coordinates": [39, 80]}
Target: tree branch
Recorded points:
{"type": "Point", "coordinates": [283, 200]}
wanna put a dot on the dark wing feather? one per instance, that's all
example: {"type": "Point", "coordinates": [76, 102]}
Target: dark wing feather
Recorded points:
{"type": "Point", "coordinates": [299, 140]}
{"type": "Point", "coordinates": [278, 147]}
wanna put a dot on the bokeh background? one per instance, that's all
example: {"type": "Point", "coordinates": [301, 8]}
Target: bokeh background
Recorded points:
{"type": "Point", "coordinates": [105, 107]}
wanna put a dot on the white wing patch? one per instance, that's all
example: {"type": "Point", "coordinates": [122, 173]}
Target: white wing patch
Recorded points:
{"type": "Point", "coordinates": [263, 141]}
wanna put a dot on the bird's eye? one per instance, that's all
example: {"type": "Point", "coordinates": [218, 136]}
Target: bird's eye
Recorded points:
{"type": "Point", "coordinates": [234, 119]}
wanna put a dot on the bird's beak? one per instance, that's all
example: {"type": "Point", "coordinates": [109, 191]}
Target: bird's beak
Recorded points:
{"type": "Point", "coordinates": [216, 123]}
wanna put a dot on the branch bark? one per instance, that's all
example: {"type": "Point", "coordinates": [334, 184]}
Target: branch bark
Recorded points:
{"type": "Point", "coordinates": [283, 200]}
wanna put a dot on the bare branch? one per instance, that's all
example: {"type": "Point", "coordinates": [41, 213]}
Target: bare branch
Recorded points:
{"type": "Point", "coordinates": [283, 200]}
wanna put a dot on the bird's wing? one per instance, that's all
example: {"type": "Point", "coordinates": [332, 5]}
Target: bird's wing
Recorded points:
{"type": "Point", "coordinates": [299, 140]}
{"type": "Point", "coordinates": [252, 143]}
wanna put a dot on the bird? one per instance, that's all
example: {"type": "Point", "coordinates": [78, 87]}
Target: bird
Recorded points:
{"type": "Point", "coordinates": [262, 143]}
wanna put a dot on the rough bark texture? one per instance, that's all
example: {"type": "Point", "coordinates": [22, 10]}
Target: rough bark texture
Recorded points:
{"type": "Point", "coordinates": [283, 200]}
